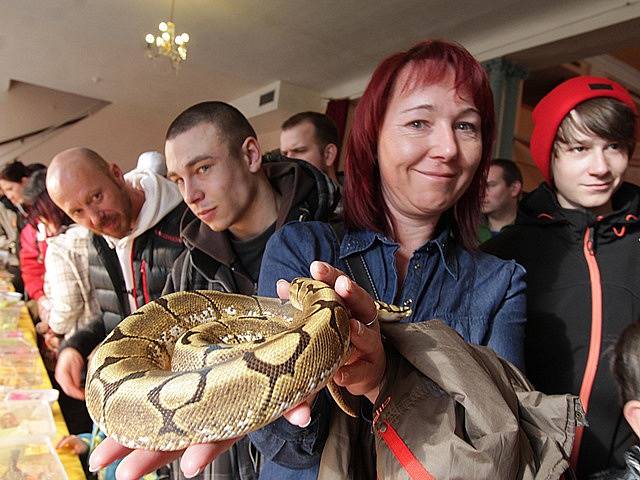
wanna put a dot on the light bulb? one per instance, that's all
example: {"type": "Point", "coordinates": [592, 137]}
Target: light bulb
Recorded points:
{"type": "Point", "coordinates": [185, 37]}
{"type": "Point", "coordinates": [166, 37]}
{"type": "Point", "coordinates": [179, 40]}
{"type": "Point", "coordinates": [162, 26]}
{"type": "Point", "coordinates": [159, 41]}
{"type": "Point", "coordinates": [150, 39]}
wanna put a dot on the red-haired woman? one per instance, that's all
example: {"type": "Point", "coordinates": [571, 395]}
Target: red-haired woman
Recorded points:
{"type": "Point", "coordinates": [415, 169]}
{"type": "Point", "coordinates": [71, 302]}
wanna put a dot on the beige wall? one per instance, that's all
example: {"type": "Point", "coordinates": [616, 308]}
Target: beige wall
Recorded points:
{"type": "Point", "coordinates": [26, 108]}
{"type": "Point", "coordinates": [269, 140]}
{"type": "Point", "coordinates": [117, 133]}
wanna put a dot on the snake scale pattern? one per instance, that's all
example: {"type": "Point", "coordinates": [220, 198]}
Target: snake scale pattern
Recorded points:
{"type": "Point", "coordinates": [202, 366]}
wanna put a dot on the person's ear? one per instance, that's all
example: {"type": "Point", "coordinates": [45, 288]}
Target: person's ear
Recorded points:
{"type": "Point", "coordinates": [330, 154]}
{"type": "Point", "coordinates": [117, 174]}
{"type": "Point", "coordinates": [252, 154]}
{"type": "Point", "coordinates": [631, 412]}
{"type": "Point", "coordinates": [516, 189]}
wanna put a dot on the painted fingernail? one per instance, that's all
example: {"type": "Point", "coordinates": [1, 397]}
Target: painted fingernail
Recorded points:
{"type": "Point", "coordinates": [307, 423]}
{"type": "Point", "coordinates": [194, 474]}
{"type": "Point", "coordinates": [343, 283]}
{"type": "Point", "coordinates": [322, 268]}
{"type": "Point", "coordinates": [281, 282]}
{"type": "Point", "coordinates": [94, 468]}
{"type": "Point", "coordinates": [359, 328]}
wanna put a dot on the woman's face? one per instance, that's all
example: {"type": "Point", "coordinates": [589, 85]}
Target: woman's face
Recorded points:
{"type": "Point", "coordinates": [13, 190]}
{"type": "Point", "coordinates": [429, 148]}
{"type": "Point", "coordinates": [51, 227]}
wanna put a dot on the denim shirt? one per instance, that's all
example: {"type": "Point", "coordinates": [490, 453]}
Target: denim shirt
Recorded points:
{"type": "Point", "coordinates": [478, 295]}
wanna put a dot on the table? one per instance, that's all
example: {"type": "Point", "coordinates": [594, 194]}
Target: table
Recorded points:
{"type": "Point", "coordinates": [70, 461]}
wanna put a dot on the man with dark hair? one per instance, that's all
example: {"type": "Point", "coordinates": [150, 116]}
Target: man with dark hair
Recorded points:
{"type": "Point", "coordinates": [500, 204]}
{"type": "Point", "coordinates": [312, 137]}
{"type": "Point", "coordinates": [135, 220]}
{"type": "Point", "coordinates": [237, 202]}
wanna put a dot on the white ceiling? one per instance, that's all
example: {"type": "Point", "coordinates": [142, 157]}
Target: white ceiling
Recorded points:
{"type": "Point", "coordinates": [96, 47]}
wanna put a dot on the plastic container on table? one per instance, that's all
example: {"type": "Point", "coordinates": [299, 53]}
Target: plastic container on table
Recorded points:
{"type": "Point", "coordinates": [19, 367]}
{"type": "Point", "coordinates": [10, 310]}
{"type": "Point", "coordinates": [5, 284]}
{"type": "Point", "coordinates": [26, 418]}
{"type": "Point", "coordinates": [48, 395]}
{"type": "Point", "coordinates": [30, 458]}
{"type": "Point", "coordinates": [9, 318]}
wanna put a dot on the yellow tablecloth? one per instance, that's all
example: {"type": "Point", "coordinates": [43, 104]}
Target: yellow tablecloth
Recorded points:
{"type": "Point", "coordinates": [70, 461]}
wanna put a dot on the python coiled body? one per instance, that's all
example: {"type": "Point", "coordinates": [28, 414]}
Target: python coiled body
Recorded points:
{"type": "Point", "coordinates": [202, 366]}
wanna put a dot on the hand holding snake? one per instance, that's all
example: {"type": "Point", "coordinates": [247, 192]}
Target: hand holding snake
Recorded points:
{"type": "Point", "coordinates": [197, 456]}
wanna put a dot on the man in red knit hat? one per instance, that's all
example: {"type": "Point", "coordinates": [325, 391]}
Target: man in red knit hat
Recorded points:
{"type": "Point", "coordinates": [577, 236]}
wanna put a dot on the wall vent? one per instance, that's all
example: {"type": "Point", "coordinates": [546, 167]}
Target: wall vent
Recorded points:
{"type": "Point", "coordinates": [267, 97]}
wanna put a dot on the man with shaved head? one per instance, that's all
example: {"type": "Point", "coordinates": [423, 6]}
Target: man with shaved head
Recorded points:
{"type": "Point", "coordinates": [135, 220]}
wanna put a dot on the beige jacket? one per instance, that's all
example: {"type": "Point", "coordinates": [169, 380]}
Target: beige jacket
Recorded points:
{"type": "Point", "coordinates": [449, 410]}
{"type": "Point", "coordinates": [67, 286]}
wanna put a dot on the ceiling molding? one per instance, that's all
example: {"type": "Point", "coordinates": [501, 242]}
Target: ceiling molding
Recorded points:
{"type": "Point", "coordinates": [564, 22]}
{"type": "Point", "coordinates": [606, 65]}
{"type": "Point", "coordinates": [577, 19]}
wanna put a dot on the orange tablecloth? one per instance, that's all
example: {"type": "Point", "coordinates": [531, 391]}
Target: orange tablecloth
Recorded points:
{"type": "Point", "coordinates": [70, 461]}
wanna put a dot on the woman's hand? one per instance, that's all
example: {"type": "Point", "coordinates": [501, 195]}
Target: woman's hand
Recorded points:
{"type": "Point", "coordinates": [195, 458]}
{"type": "Point", "coordinates": [137, 463]}
{"type": "Point", "coordinates": [363, 371]}
{"type": "Point", "coordinates": [72, 443]}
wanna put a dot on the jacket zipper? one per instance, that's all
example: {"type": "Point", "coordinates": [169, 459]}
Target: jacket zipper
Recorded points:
{"type": "Point", "coordinates": [134, 292]}
{"type": "Point", "coordinates": [145, 287]}
{"type": "Point", "coordinates": [595, 340]}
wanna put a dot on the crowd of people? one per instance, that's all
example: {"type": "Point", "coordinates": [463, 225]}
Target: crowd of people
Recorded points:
{"type": "Point", "coordinates": [531, 291]}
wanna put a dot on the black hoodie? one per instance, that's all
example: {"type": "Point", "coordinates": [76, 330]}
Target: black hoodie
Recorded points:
{"type": "Point", "coordinates": [583, 287]}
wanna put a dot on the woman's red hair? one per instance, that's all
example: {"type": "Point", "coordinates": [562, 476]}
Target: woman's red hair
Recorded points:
{"type": "Point", "coordinates": [426, 63]}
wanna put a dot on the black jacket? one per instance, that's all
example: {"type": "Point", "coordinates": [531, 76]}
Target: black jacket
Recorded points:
{"type": "Point", "coordinates": [154, 253]}
{"type": "Point", "coordinates": [631, 472]}
{"type": "Point", "coordinates": [583, 282]}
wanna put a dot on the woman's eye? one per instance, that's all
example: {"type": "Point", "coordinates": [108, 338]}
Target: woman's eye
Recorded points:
{"type": "Point", "coordinates": [614, 146]}
{"type": "Point", "coordinates": [467, 126]}
{"type": "Point", "coordinates": [203, 168]}
{"type": "Point", "coordinates": [579, 148]}
{"type": "Point", "coordinates": [417, 124]}
{"type": "Point", "coordinates": [97, 196]}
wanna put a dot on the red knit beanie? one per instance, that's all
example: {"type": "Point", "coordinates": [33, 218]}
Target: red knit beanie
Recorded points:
{"type": "Point", "coordinates": [549, 113]}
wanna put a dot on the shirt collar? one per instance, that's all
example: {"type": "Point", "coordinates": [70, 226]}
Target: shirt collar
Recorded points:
{"type": "Point", "coordinates": [357, 241]}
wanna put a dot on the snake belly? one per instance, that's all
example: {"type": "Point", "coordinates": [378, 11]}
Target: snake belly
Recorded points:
{"type": "Point", "coordinates": [201, 366]}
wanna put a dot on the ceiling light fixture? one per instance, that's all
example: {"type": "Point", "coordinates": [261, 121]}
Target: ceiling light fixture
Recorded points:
{"type": "Point", "coordinates": [167, 43]}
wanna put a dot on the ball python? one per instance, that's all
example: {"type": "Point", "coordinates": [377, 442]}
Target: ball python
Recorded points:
{"type": "Point", "coordinates": [201, 366]}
